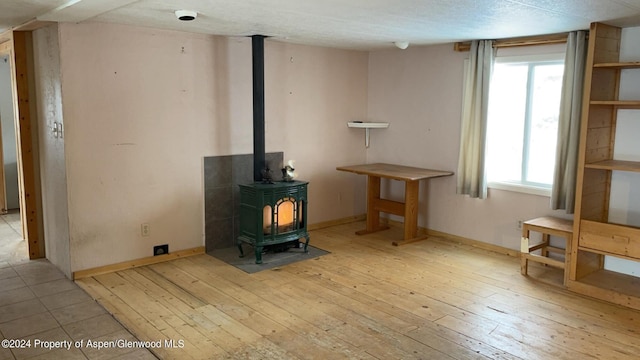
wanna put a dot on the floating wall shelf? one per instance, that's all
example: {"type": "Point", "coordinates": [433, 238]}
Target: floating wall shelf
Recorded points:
{"type": "Point", "coordinates": [367, 126]}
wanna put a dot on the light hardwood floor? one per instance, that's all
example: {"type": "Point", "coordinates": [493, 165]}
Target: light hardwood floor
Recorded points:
{"type": "Point", "coordinates": [432, 299]}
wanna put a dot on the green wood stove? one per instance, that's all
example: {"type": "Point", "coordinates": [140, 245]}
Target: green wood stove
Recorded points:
{"type": "Point", "coordinates": [272, 214]}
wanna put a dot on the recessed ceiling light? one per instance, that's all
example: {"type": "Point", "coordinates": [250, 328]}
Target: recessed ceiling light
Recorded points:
{"type": "Point", "coordinates": [186, 15]}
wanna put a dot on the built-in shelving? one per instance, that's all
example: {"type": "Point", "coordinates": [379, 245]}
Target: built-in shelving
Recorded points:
{"type": "Point", "coordinates": [597, 237]}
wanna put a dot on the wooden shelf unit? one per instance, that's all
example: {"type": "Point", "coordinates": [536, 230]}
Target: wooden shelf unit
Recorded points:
{"type": "Point", "coordinates": [594, 236]}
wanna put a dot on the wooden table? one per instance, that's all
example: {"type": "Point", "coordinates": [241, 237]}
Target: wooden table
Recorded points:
{"type": "Point", "coordinates": [408, 209]}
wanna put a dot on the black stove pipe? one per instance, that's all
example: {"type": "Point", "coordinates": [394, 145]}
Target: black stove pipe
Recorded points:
{"type": "Point", "coordinates": [257, 51]}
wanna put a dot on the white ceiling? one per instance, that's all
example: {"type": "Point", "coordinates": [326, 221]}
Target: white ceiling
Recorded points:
{"type": "Point", "coordinates": [355, 24]}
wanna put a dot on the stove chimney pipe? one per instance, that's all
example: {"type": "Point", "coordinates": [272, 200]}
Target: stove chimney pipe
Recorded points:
{"type": "Point", "coordinates": [257, 48]}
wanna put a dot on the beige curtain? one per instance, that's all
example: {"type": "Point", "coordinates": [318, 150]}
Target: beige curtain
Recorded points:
{"type": "Point", "coordinates": [471, 174]}
{"type": "Point", "coordinates": [564, 182]}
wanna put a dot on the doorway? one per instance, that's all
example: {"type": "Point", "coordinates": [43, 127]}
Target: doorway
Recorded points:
{"type": "Point", "coordinates": [8, 140]}
{"type": "Point", "coordinates": [21, 148]}
{"type": "Point", "coordinates": [13, 246]}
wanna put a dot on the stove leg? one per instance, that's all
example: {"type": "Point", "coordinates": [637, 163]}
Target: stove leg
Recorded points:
{"type": "Point", "coordinates": [240, 248]}
{"type": "Point", "coordinates": [306, 244]}
{"type": "Point", "coordinates": [258, 250]}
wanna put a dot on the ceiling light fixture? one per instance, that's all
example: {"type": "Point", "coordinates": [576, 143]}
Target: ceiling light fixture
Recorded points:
{"type": "Point", "coordinates": [186, 15]}
{"type": "Point", "coordinates": [401, 44]}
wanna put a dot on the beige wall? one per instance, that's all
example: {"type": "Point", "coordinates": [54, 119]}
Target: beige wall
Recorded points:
{"type": "Point", "coordinates": [419, 92]}
{"type": "Point", "coordinates": [142, 107]}
{"type": "Point", "coordinates": [51, 149]}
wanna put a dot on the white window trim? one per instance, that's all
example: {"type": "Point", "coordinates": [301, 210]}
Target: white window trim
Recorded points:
{"type": "Point", "coordinates": [521, 188]}
{"type": "Point", "coordinates": [513, 186]}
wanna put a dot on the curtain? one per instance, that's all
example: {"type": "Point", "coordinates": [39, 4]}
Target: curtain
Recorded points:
{"type": "Point", "coordinates": [471, 174]}
{"type": "Point", "coordinates": [564, 181]}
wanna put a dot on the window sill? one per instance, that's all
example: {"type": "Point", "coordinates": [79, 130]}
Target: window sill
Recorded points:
{"type": "Point", "coordinates": [525, 189]}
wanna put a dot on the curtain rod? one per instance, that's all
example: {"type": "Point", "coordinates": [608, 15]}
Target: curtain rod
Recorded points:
{"type": "Point", "coordinates": [519, 41]}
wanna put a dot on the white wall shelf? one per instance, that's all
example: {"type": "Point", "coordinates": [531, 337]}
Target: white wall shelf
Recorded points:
{"type": "Point", "coordinates": [367, 126]}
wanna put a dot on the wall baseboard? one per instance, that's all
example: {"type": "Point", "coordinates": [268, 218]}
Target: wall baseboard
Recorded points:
{"type": "Point", "coordinates": [475, 243]}
{"type": "Point", "coordinates": [189, 252]}
{"type": "Point", "coordinates": [200, 250]}
{"type": "Point", "coordinates": [136, 263]}
{"type": "Point", "coordinates": [460, 240]}
{"type": "Point", "coordinates": [341, 221]}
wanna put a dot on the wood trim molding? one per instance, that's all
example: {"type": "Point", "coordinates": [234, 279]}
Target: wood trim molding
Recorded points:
{"type": "Point", "coordinates": [550, 39]}
{"type": "Point", "coordinates": [27, 148]}
{"type": "Point", "coordinates": [136, 263]}
{"type": "Point", "coordinates": [5, 47]}
{"type": "Point", "coordinates": [462, 240]}
{"type": "Point", "coordinates": [33, 25]}
{"type": "Point", "coordinates": [475, 243]}
{"type": "Point", "coordinates": [347, 220]}
{"type": "Point", "coordinates": [6, 36]}
{"type": "Point", "coordinates": [80, 274]}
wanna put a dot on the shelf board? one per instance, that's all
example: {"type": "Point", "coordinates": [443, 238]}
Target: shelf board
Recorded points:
{"type": "Point", "coordinates": [631, 104]}
{"type": "Point", "coordinates": [610, 286]}
{"type": "Point", "coordinates": [368, 125]}
{"type": "Point", "coordinates": [619, 165]}
{"type": "Point", "coordinates": [605, 253]}
{"type": "Point", "coordinates": [619, 65]}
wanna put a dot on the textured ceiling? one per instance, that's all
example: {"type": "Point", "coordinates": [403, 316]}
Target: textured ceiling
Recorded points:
{"type": "Point", "coordinates": [355, 24]}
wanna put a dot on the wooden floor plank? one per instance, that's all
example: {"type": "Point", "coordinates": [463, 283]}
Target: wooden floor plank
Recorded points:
{"type": "Point", "coordinates": [414, 326]}
{"type": "Point", "coordinates": [581, 333]}
{"type": "Point", "coordinates": [272, 320]}
{"type": "Point", "coordinates": [161, 317]}
{"type": "Point", "coordinates": [223, 331]}
{"type": "Point", "coordinates": [367, 299]}
{"type": "Point", "coordinates": [434, 344]}
{"type": "Point", "coordinates": [131, 319]}
{"type": "Point", "coordinates": [577, 346]}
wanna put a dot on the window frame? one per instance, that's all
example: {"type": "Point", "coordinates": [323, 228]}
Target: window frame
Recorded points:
{"type": "Point", "coordinates": [532, 188]}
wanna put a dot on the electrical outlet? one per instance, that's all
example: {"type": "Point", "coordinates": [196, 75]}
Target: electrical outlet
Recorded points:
{"type": "Point", "coordinates": [161, 250]}
{"type": "Point", "coordinates": [519, 225]}
{"type": "Point", "coordinates": [145, 229]}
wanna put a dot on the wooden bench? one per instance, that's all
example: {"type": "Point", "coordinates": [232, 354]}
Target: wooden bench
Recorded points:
{"type": "Point", "coordinates": [547, 226]}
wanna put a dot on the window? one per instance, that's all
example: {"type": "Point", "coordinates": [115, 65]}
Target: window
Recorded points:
{"type": "Point", "coordinates": [524, 103]}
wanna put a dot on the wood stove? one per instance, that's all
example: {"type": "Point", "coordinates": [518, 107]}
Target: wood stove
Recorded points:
{"type": "Point", "coordinates": [272, 214]}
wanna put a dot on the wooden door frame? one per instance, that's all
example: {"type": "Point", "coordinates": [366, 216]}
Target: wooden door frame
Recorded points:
{"type": "Point", "coordinates": [19, 45]}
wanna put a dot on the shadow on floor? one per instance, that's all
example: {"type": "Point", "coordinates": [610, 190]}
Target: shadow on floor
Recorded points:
{"type": "Point", "coordinates": [270, 260]}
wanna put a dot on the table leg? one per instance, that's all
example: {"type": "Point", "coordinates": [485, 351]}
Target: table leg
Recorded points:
{"type": "Point", "coordinates": [411, 209]}
{"type": "Point", "coordinates": [411, 200]}
{"type": "Point", "coordinates": [373, 215]}
{"type": "Point", "coordinates": [524, 250]}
